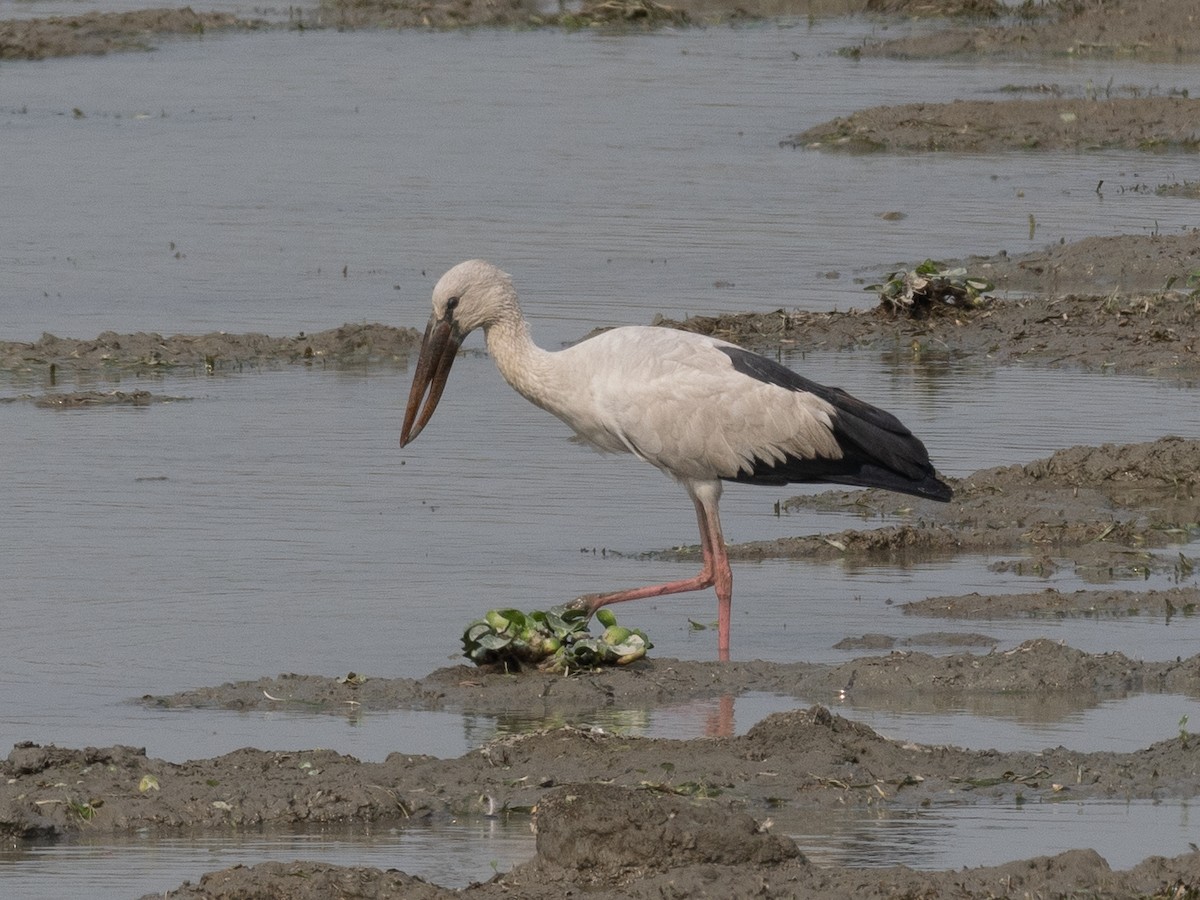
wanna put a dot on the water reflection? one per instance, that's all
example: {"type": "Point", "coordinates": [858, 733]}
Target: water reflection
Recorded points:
{"type": "Point", "coordinates": [455, 853]}
{"type": "Point", "coordinates": [450, 853]}
{"type": "Point", "coordinates": [1085, 723]}
{"type": "Point", "coordinates": [988, 835]}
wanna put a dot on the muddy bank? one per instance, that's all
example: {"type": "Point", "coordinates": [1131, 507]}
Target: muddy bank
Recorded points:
{"type": "Point", "coordinates": [104, 32]}
{"type": "Point", "coordinates": [618, 15]}
{"type": "Point", "coordinates": [769, 867]}
{"type": "Point", "coordinates": [787, 765]}
{"type": "Point", "coordinates": [108, 32]}
{"type": "Point", "coordinates": [988, 126]}
{"type": "Point", "coordinates": [1122, 304]}
{"type": "Point", "coordinates": [1140, 314]}
{"type": "Point", "coordinates": [147, 352]}
{"type": "Point", "coordinates": [1103, 512]}
{"type": "Point", "coordinates": [91, 399]}
{"type": "Point", "coordinates": [1054, 604]}
{"type": "Point", "coordinates": [1124, 270]}
{"type": "Point", "coordinates": [1151, 30]}
{"type": "Point", "coordinates": [1031, 670]}
{"type": "Point", "coordinates": [609, 810]}
{"type": "Point", "coordinates": [1112, 116]}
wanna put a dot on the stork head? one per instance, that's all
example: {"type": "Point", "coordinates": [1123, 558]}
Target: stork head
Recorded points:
{"type": "Point", "coordinates": [474, 294]}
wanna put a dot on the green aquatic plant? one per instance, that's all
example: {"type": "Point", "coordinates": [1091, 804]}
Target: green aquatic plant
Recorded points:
{"type": "Point", "coordinates": [554, 640]}
{"type": "Point", "coordinates": [85, 810]}
{"type": "Point", "coordinates": [929, 287]}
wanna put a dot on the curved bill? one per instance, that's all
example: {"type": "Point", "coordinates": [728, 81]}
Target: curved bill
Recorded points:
{"type": "Point", "coordinates": [438, 349]}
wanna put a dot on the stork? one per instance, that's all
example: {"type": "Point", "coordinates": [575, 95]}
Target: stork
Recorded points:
{"type": "Point", "coordinates": [702, 410]}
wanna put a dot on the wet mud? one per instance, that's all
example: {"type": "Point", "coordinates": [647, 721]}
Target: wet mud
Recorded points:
{"type": "Point", "coordinates": [621, 816]}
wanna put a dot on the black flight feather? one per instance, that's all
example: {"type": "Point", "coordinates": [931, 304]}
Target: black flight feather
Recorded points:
{"type": "Point", "coordinates": [877, 450]}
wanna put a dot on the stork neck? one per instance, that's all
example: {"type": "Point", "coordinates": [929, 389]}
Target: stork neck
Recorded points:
{"type": "Point", "coordinates": [524, 364]}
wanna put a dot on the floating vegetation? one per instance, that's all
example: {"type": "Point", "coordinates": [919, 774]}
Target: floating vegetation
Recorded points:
{"type": "Point", "coordinates": [554, 640]}
{"type": "Point", "coordinates": [930, 288]}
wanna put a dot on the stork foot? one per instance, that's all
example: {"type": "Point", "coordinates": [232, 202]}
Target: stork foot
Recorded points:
{"type": "Point", "coordinates": [585, 604]}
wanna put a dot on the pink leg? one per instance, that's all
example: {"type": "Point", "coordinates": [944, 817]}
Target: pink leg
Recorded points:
{"type": "Point", "coordinates": [714, 572]}
{"type": "Point", "coordinates": [722, 574]}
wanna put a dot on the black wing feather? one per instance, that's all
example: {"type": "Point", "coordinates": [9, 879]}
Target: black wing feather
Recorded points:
{"type": "Point", "coordinates": [877, 450]}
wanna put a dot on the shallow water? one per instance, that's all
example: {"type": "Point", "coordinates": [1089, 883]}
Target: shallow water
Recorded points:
{"type": "Point", "coordinates": [271, 524]}
{"type": "Point", "coordinates": [948, 837]}
{"type": "Point", "coordinates": [457, 853]}
{"type": "Point", "coordinates": [226, 183]}
{"type": "Point", "coordinates": [451, 854]}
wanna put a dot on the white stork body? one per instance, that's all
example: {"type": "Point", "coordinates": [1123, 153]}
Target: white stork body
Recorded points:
{"type": "Point", "coordinates": [700, 409]}
{"type": "Point", "coordinates": [671, 398]}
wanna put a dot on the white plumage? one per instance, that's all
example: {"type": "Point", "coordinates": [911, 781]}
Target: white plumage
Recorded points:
{"type": "Point", "coordinates": [700, 409]}
{"type": "Point", "coordinates": [674, 399]}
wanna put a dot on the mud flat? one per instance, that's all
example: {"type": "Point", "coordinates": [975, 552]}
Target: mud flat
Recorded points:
{"type": "Point", "coordinates": [1126, 303]}
{"type": "Point", "coordinates": [637, 817]}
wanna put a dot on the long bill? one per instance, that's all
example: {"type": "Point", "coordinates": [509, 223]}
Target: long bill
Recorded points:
{"type": "Point", "coordinates": [439, 347]}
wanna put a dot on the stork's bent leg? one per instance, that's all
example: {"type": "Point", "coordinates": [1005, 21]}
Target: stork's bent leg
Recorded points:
{"type": "Point", "coordinates": [706, 578]}
{"type": "Point", "coordinates": [714, 572]}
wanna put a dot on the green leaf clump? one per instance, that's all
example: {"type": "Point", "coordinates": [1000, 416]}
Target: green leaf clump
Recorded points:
{"type": "Point", "coordinates": [553, 640]}
{"type": "Point", "coordinates": [929, 288]}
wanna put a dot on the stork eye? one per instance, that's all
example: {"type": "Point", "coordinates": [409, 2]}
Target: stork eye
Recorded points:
{"type": "Point", "coordinates": [452, 304]}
